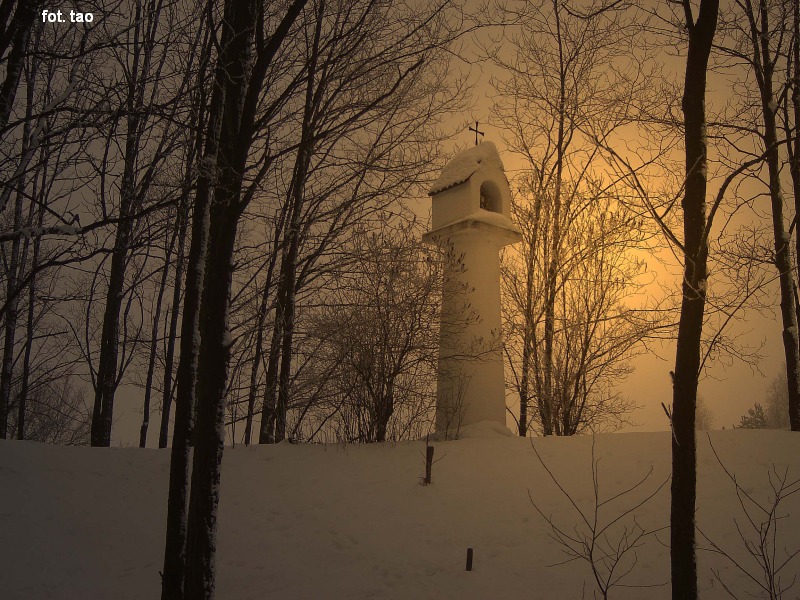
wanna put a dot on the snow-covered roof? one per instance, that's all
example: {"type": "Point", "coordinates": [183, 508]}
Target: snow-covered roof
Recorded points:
{"type": "Point", "coordinates": [464, 164]}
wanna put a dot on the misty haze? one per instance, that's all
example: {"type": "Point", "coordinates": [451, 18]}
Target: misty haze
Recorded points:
{"type": "Point", "coordinates": [399, 299]}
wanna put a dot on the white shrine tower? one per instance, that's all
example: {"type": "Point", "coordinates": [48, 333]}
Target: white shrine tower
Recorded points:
{"type": "Point", "coordinates": [471, 218]}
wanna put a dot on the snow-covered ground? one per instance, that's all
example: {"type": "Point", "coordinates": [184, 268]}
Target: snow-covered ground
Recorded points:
{"type": "Point", "coordinates": [328, 522]}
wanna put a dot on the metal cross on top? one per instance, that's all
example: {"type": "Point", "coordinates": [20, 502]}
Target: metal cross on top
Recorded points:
{"type": "Point", "coordinates": [476, 132]}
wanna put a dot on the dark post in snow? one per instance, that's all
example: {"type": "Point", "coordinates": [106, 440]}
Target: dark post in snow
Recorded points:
{"type": "Point", "coordinates": [428, 464]}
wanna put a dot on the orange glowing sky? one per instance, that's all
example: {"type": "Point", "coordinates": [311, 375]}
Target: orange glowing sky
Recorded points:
{"type": "Point", "coordinates": [727, 389]}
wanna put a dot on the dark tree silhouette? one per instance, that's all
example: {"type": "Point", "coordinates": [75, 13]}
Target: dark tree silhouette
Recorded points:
{"type": "Point", "coordinates": [690, 329]}
{"type": "Point", "coordinates": [240, 72]}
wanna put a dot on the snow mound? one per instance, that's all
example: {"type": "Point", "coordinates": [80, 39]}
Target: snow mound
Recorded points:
{"type": "Point", "coordinates": [346, 521]}
{"type": "Point", "coordinates": [464, 164]}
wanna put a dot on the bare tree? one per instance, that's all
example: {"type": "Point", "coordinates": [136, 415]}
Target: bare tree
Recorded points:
{"type": "Point", "coordinates": [174, 312]}
{"type": "Point", "coordinates": [607, 535]}
{"type": "Point", "coordinates": [172, 239]}
{"type": "Point", "coordinates": [762, 37]}
{"type": "Point", "coordinates": [150, 40]}
{"type": "Point", "coordinates": [791, 120]}
{"type": "Point", "coordinates": [360, 155]}
{"type": "Point", "coordinates": [767, 557]}
{"type": "Point", "coordinates": [696, 226]}
{"type": "Point", "coordinates": [569, 82]}
{"type": "Point", "coordinates": [241, 67]}
{"type": "Point", "coordinates": [380, 331]}
{"type": "Point", "coordinates": [40, 143]}
{"type": "Point", "coordinates": [56, 411]}
{"type": "Point", "coordinates": [597, 330]}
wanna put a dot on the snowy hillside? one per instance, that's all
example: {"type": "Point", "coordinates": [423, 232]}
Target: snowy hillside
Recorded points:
{"type": "Point", "coordinates": [313, 521]}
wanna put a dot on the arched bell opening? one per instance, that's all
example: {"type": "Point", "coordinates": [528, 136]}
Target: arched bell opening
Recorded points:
{"type": "Point", "coordinates": [490, 197]}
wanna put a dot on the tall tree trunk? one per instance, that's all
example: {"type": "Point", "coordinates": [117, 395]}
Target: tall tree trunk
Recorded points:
{"type": "Point", "coordinates": [763, 62]}
{"type": "Point", "coordinates": [793, 134]}
{"type": "Point", "coordinates": [287, 336]}
{"type": "Point", "coordinates": [106, 384]}
{"type": "Point", "coordinates": [30, 325]}
{"type": "Point", "coordinates": [529, 356]}
{"type": "Point", "coordinates": [266, 433]}
{"type": "Point", "coordinates": [259, 349]}
{"type": "Point", "coordinates": [690, 327]}
{"type": "Point", "coordinates": [251, 392]}
{"type": "Point", "coordinates": [527, 342]}
{"type": "Point", "coordinates": [783, 258]}
{"type": "Point", "coordinates": [16, 34]}
{"type": "Point", "coordinates": [151, 363]}
{"type": "Point", "coordinates": [236, 75]}
{"type": "Point", "coordinates": [14, 269]}
{"type": "Point", "coordinates": [237, 85]}
{"type": "Point", "coordinates": [174, 571]}
{"type": "Point", "coordinates": [288, 284]}
{"type": "Point", "coordinates": [794, 153]}
{"type": "Point", "coordinates": [38, 209]}
{"type": "Point", "coordinates": [524, 389]}
{"type": "Point", "coordinates": [107, 376]}
{"type": "Point", "coordinates": [213, 362]}
{"type": "Point", "coordinates": [12, 293]}
{"type": "Point", "coordinates": [549, 403]}
{"type": "Point", "coordinates": [230, 87]}
{"type": "Point", "coordinates": [169, 360]}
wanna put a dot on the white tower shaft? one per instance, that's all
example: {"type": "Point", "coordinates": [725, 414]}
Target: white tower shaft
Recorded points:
{"type": "Point", "coordinates": [471, 210]}
{"type": "Point", "coordinates": [470, 385]}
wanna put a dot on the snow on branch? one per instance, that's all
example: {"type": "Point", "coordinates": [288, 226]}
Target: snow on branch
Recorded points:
{"type": "Point", "coordinates": [35, 232]}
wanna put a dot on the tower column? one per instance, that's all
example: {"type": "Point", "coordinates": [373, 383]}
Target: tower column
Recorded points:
{"type": "Point", "coordinates": [471, 206]}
